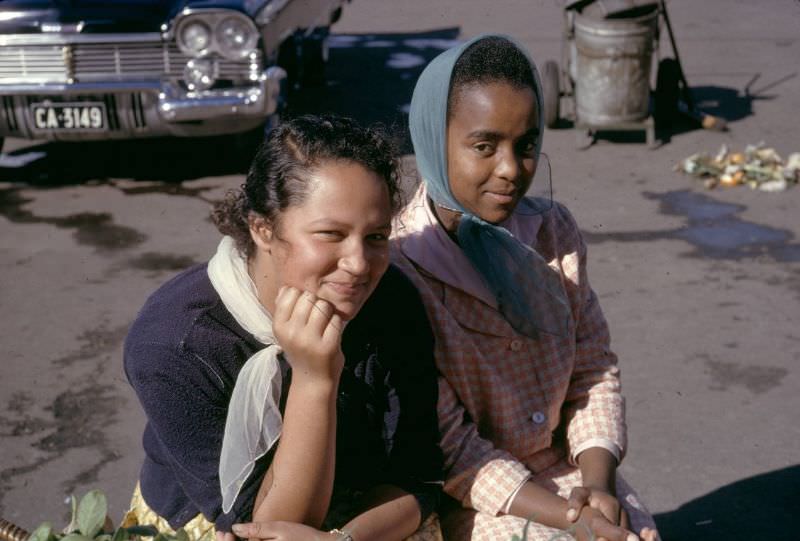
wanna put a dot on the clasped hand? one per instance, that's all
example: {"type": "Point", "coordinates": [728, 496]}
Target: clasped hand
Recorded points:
{"type": "Point", "coordinates": [600, 512]}
{"type": "Point", "coordinates": [310, 333]}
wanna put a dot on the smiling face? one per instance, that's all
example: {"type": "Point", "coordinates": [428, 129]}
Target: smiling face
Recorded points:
{"type": "Point", "coordinates": [334, 244]}
{"type": "Point", "coordinates": [492, 132]}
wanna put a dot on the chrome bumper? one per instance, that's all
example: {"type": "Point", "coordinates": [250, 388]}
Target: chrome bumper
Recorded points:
{"type": "Point", "coordinates": [260, 101]}
{"type": "Point", "coordinates": [149, 108]}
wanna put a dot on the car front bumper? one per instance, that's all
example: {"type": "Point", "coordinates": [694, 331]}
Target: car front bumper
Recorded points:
{"type": "Point", "coordinates": [145, 108]}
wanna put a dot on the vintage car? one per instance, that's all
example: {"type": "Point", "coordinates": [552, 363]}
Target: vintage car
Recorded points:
{"type": "Point", "coordinates": [100, 69]}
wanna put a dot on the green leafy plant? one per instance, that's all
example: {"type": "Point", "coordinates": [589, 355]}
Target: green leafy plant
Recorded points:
{"type": "Point", "coordinates": [566, 535]}
{"type": "Point", "coordinates": [89, 523]}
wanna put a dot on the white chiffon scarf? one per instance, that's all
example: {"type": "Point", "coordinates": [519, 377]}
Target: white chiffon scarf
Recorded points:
{"type": "Point", "coordinates": [254, 419]}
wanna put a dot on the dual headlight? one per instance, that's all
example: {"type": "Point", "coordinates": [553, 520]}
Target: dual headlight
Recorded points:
{"type": "Point", "coordinates": [227, 33]}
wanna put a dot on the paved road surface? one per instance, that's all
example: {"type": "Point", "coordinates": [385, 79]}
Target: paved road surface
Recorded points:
{"type": "Point", "coordinates": [701, 288]}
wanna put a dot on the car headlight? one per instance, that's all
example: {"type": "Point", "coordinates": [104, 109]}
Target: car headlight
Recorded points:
{"type": "Point", "coordinates": [236, 37]}
{"type": "Point", "coordinates": [199, 74]}
{"type": "Point", "coordinates": [194, 37]}
{"type": "Point", "coordinates": [201, 33]}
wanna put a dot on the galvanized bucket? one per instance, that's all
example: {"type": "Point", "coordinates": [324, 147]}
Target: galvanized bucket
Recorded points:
{"type": "Point", "coordinates": [612, 68]}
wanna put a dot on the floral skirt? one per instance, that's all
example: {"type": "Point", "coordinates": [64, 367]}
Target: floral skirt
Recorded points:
{"type": "Point", "coordinates": [140, 514]}
{"type": "Point", "coordinates": [200, 529]}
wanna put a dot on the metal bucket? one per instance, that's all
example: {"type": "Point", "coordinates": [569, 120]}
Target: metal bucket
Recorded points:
{"type": "Point", "coordinates": [612, 68]}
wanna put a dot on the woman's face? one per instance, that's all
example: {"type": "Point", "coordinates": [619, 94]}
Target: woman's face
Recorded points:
{"type": "Point", "coordinates": [491, 140]}
{"type": "Point", "coordinates": [335, 244]}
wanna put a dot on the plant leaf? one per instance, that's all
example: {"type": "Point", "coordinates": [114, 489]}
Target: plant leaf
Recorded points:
{"type": "Point", "coordinates": [76, 537]}
{"type": "Point", "coordinates": [42, 533]}
{"type": "Point", "coordinates": [92, 513]}
{"type": "Point", "coordinates": [566, 536]}
{"type": "Point", "coordinates": [121, 535]}
{"type": "Point", "coordinates": [181, 535]}
{"type": "Point", "coordinates": [145, 530]}
{"type": "Point", "coordinates": [161, 537]}
{"type": "Point", "coordinates": [73, 521]}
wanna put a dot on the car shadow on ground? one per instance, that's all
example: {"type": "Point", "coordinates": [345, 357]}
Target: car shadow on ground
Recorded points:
{"type": "Point", "coordinates": [759, 507]}
{"type": "Point", "coordinates": [158, 159]}
{"type": "Point", "coordinates": [370, 77]}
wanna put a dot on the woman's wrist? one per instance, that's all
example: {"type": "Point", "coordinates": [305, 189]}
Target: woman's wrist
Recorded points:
{"type": "Point", "coordinates": [598, 469]}
{"type": "Point", "coordinates": [317, 373]}
{"type": "Point", "coordinates": [315, 384]}
{"type": "Point", "coordinates": [540, 505]}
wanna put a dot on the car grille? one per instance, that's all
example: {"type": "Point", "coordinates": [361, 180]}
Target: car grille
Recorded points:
{"type": "Point", "coordinates": [35, 64]}
{"type": "Point", "coordinates": [86, 62]}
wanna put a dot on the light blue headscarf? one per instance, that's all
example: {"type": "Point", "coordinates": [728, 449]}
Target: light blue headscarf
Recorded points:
{"type": "Point", "coordinates": [529, 292]}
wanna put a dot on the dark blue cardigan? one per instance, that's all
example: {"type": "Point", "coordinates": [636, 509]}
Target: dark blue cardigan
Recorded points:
{"type": "Point", "coordinates": [184, 352]}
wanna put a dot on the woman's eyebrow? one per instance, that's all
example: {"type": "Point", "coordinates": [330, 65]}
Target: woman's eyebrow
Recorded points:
{"type": "Point", "coordinates": [485, 134]}
{"type": "Point", "coordinates": [330, 222]}
{"type": "Point", "coordinates": [533, 132]}
{"type": "Point", "coordinates": [326, 221]}
{"type": "Point", "coordinates": [494, 135]}
{"type": "Point", "coordinates": [382, 228]}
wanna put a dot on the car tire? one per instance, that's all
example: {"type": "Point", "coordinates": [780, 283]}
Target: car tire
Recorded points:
{"type": "Point", "coordinates": [289, 60]}
{"type": "Point", "coordinates": [552, 94]}
{"type": "Point", "coordinates": [314, 57]}
{"type": "Point", "coordinates": [272, 122]}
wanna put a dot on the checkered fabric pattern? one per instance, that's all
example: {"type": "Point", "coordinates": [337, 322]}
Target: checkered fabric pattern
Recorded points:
{"type": "Point", "coordinates": [512, 407]}
{"type": "Point", "coordinates": [467, 524]}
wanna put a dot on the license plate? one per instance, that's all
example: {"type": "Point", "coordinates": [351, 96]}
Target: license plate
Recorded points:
{"type": "Point", "coordinates": [69, 116]}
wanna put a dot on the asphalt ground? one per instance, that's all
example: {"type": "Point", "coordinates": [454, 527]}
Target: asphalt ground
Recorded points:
{"type": "Point", "coordinates": [701, 288]}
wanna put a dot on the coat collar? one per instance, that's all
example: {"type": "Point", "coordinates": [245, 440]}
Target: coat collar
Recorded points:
{"type": "Point", "coordinates": [423, 240]}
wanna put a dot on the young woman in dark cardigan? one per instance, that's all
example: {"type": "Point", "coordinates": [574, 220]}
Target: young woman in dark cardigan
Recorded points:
{"type": "Point", "coordinates": [289, 383]}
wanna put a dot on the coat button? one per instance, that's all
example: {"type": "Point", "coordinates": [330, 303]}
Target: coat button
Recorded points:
{"type": "Point", "coordinates": [538, 417]}
{"type": "Point", "coordinates": [516, 345]}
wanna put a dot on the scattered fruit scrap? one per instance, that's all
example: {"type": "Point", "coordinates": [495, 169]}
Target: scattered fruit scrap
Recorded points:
{"type": "Point", "coordinates": [759, 167]}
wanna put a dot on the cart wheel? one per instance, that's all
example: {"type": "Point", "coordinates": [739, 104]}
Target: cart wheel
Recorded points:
{"type": "Point", "coordinates": [584, 138]}
{"type": "Point", "coordinates": [667, 94]}
{"type": "Point", "coordinates": [650, 135]}
{"type": "Point", "coordinates": [552, 94]}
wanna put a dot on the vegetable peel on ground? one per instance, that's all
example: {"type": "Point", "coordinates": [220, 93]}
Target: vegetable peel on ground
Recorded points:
{"type": "Point", "coordinates": [758, 166]}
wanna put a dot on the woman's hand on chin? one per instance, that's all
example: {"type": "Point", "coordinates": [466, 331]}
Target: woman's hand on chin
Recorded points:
{"type": "Point", "coordinates": [310, 333]}
{"type": "Point", "coordinates": [278, 531]}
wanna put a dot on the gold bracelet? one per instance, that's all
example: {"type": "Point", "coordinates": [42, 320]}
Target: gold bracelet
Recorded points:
{"type": "Point", "coordinates": [344, 536]}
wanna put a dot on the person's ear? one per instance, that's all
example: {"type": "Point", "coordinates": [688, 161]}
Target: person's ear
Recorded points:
{"type": "Point", "coordinates": [261, 233]}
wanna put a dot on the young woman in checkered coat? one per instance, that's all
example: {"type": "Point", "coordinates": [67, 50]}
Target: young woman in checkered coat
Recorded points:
{"type": "Point", "coordinates": [530, 410]}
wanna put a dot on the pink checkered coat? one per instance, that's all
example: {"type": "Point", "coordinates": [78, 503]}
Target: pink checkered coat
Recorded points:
{"type": "Point", "coordinates": [511, 407]}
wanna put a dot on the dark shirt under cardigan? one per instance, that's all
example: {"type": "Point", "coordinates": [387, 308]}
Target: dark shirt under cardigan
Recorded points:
{"type": "Point", "coordinates": [184, 352]}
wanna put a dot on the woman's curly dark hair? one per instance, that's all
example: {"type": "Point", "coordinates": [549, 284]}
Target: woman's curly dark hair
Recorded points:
{"type": "Point", "coordinates": [281, 170]}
